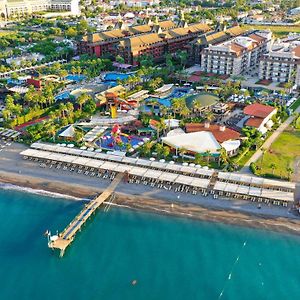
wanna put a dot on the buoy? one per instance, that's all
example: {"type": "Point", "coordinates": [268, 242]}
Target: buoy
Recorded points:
{"type": "Point", "coordinates": [134, 282]}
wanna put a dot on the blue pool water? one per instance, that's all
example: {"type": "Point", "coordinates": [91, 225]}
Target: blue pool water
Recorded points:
{"type": "Point", "coordinates": [171, 258]}
{"type": "Point", "coordinates": [76, 78]}
{"type": "Point", "coordinates": [166, 101]}
{"type": "Point", "coordinates": [108, 141]}
{"type": "Point", "coordinates": [62, 96]}
{"type": "Point", "coordinates": [110, 77]}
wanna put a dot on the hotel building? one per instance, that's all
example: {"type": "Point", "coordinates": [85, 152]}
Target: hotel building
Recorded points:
{"type": "Point", "coordinates": [10, 8]}
{"type": "Point", "coordinates": [236, 56]}
{"type": "Point", "coordinates": [153, 39]}
{"type": "Point", "coordinates": [282, 63]}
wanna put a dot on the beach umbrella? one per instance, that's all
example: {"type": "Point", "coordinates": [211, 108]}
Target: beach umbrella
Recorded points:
{"type": "Point", "coordinates": [198, 166]}
{"type": "Point", "coordinates": [63, 145]}
{"type": "Point", "coordinates": [185, 164]}
{"type": "Point", "coordinates": [152, 158]}
{"type": "Point", "coordinates": [83, 148]}
{"type": "Point", "coordinates": [171, 162]}
{"type": "Point", "coordinates": [162, 160]}
{"type": "Point", "coordinates": [98, 150]}
{"type": "Point", "coordinates": [205, 168]}
{"type": "Point", "coordinates": [192, 165]}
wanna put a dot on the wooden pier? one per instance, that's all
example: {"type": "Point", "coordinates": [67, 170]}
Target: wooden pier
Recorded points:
{"type": "Point", "coordinates": [65, 238]}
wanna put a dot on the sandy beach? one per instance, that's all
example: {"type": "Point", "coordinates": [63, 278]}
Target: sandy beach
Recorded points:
{"type": "Point", "coordinates": [150, 204]}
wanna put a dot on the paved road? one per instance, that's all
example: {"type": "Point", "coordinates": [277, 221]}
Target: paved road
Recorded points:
{"type": "Point", "coordinates": [269, 142]}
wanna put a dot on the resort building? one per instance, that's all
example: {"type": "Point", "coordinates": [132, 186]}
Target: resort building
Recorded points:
{"type": "Point", "coordinates": [10, 8]}
{"type": "Point", "coordinates": [282, 63]}
{"type": "Point", "coordinates": [236, 56]}
{"type": "Point", "coordinates": [260, 116]}
{"type": "Point", "coordinates": [228, 138]}
{"type": "Point", "coordinates": [193, 143]}
{"type": "Point", "coordinates": [153, 39]}
{"type": "Point", "coordinates": [211, 38]}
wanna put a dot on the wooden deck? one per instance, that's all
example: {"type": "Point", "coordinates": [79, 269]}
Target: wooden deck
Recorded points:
{"type": "Point", "coordinates": [66, 237]}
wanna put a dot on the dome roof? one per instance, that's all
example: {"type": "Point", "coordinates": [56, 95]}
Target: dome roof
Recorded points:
{"type": "Point", "coordinates": [206, 99]}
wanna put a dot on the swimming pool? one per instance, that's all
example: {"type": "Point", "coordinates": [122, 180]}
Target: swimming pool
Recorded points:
{"type": "Point", "coordinates": [116, 76]}
{"type": "Point", "coordinates": [62, 96]}
{"type": "Point", "coordinates": [76, 78]}
{"type": "Point", "coordinates": [167, 101]}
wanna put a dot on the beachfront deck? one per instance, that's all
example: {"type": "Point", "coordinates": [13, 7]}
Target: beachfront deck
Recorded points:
{"type": "Point", "coordinates": [66, 237]}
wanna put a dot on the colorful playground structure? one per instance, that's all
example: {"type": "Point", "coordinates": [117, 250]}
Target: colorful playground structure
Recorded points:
{"type": "Point", "coordinates": [115, 139]}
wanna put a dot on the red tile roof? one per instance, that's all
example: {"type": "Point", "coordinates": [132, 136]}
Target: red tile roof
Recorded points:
{"type": "Point", "coordinates": [194, 78]}
{"type": "Point", "coordinates": [258, 110]}
{"type": "Point", "coordinates": [256, 37]}
{"type": "Point", "coordinates": [254, 122]}
{"type": "Point", "coordinates": [220, 136]}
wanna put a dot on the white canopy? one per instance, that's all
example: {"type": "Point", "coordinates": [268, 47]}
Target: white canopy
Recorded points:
{"type": "Point", "coordinates": [69, 132]}
{"type": "Point", "coordinates": [198, 142]}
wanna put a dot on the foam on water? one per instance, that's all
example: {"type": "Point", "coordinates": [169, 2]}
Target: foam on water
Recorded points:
{"type": "Point", "coordinates": [8, 186]}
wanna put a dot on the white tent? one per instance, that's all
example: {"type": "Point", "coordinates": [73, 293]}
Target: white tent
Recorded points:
{"type": "Point", "coordinates": [69, 132]}
{"type": "Point", "coordinates": [197, 142]}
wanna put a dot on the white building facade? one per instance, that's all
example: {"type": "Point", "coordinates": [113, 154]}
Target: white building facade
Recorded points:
{"type": "Point", "coordinates": [282, 63]}
{"type": "Point", "coordinates": [23, 7]}
{"type": "Point", "coordinates": [236, 56]}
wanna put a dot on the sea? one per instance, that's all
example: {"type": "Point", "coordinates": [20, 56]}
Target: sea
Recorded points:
{"type": "Point", "coordinates": [123, 254]}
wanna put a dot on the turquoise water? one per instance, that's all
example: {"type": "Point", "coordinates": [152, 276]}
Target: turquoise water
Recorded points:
{"type": "Point", "coordinates": [170, 258]}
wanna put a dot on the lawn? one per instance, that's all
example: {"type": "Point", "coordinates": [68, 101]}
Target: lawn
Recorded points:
{"type": "Point", "coordinates": [282, 154]}
{"type": "Point", "coordinates": [278, 31]}
{"type": "Point", "coordinates": [295, 104]}
{"type": "Point", "coordinates": [5, 32]}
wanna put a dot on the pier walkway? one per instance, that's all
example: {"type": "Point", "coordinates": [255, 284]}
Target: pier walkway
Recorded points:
{"type": "Point", "coordinates": [65, 238]}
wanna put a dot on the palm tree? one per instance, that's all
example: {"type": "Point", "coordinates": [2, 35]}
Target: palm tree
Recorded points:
{"type": "Point", "coordinates": [223, 156]}
{"type": "Point", "coordinates": [166, 151]}
{"type": "Point", "coordinates": [182, 152]}
{"type": "Point", "coordinates": [273, 167]}
{"type": "Point", "coordinates": [185, 112]}
{"type": "Point", "coordinates": [159, 148]}
{"type": "Point", "coordinates": [263, 150]}
{"type": "Point", "coordinates": [197, 105]}
{"type": "Point", "coordinates": [290, 172]}
{"type": "Point", "coordinates": [207, 154]}
{"type": "Point", "coordinates": [209, 116]}
{"type": "Point", "coordinates": [178, 104]}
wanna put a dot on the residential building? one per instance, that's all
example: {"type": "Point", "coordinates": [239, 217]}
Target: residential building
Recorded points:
{"type": "Point", "coordinates": [237, 56]}
{"type": "Point", "coordinates": [134, 3]}
{"type": "Point", "coordinates": [10, 8]}
{"type": "Point", "coordinates": [282, 63]}
{"type": "Point", "coordinates": [260, 116]}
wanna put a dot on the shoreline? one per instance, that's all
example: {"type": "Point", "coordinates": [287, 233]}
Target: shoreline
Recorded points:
{"type": "Point", "coordinates": [77, 192]}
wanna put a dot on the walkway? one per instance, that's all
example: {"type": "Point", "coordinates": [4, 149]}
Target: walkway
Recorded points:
{"type": "Point", "coordinates": [66, 237]}
{"type": "Point", "coordinates": [269, 142]}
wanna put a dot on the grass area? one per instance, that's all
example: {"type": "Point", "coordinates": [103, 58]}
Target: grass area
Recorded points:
{"type": "Point", "coordinates": [241, 160]}
{"type": "Point", "coordinates": [295, 105]}
{"type": "Point", "coordinates": [278, 31]}
{"type": "Point", "coordinates": [6, 32]}
{"type": "Point", "coordinates": [282, 154]}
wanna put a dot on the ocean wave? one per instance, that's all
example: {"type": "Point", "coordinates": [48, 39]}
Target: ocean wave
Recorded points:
{"type": "Point", "coordinates": [9, 186]}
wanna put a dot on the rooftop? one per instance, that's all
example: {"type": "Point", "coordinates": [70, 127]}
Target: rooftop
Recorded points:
{"type": "Point", "coordinates": [221, 133]}
{"type": "Point", "coordinates": [258, 110]}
